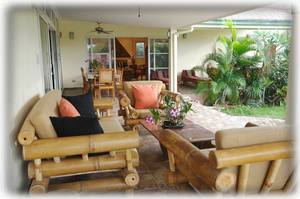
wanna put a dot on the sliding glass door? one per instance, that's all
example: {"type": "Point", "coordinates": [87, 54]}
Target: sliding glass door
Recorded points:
{"type": "Point", "coordinates": [50, 56]}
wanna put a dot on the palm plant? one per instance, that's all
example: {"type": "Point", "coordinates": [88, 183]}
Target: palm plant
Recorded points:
{"type": "Point", "coordinates": [235, 55]}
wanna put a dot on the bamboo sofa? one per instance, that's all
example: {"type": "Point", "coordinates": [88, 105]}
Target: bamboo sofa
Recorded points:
{"type": "Point", "coordinates": [50, 156]}
{"type": "Point", "coordinates": [246, 160]}
{"type": "Point", "coordinates": [131, 115]}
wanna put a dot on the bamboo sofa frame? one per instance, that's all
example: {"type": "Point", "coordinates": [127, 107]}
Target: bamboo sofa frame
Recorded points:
{"type": "Point", "coordinates": [65, 156]}
{"type": "Point", "coordinates": [131, 115]}
{"type": "Point", "coordinates": [227, 170]}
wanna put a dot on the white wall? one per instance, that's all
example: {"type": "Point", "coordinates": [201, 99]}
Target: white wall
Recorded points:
{"type": "Point", "coordinates": [74, 52]}
{"type": "Point", "coordinates": [193, 49]}
{"type": "Point", "coordinates": [24, 84]}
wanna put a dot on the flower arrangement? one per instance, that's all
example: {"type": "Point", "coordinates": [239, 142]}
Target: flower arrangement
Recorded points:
{"type": "Point", "coordinates": [97, 62]}
{"type": "Point", "coordinates": [175, 113]}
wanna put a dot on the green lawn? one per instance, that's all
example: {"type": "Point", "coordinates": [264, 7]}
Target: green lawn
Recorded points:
{"type": "Point", "coordinates": [264, 111]}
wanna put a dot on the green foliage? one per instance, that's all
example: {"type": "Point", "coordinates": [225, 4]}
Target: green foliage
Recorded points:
{"type": "Point", "coordinates": [234, 55]}
{"type": "Point", "coordinates": [275, 48]}
{"type": "Point", "coordinates": [155, 114]}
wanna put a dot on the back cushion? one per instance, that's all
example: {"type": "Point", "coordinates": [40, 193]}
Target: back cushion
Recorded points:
{"type": "Point", "coordinates": [128, 87]}
{"type": "Point", "coordinates": [231, 138]}
{"type": "Point", "coordinates": [40, 114]}
{"type": "Point", "coordinates": [145, 96]}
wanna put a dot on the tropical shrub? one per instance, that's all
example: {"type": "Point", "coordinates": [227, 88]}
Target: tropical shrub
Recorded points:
{"type": "Point", "coordinates": [237, 59]}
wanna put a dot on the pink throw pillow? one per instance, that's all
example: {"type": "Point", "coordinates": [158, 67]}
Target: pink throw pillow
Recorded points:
{"type": "Point", "coordinates": [146, 96]}
{"type": "Point", "coordinates": [66, 109]}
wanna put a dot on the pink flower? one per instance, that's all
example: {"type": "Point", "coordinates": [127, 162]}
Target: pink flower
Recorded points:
{"type": "Point", "coordinates": [175, 112]}
{"type": "Point", "coordinates": [149, 120]}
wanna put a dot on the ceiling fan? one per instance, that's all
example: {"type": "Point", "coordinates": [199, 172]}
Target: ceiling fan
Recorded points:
{"type": "Point", "coordinates": [99, 29]}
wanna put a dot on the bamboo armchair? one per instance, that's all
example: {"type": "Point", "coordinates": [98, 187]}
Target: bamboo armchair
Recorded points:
{"type": "Point", "coordinates": [131, 115]}
{"type": "Point", "coordinates": [50, 156]}
{"type": "Point", "coordinates": [243, 164]}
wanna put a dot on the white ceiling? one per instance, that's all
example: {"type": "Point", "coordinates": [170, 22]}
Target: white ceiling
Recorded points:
{"type": "Point", "coordinates": [151, 16]}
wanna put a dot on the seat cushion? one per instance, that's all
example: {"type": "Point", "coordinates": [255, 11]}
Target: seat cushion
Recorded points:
{"type": "Point", "coordinates": [75, 126]}
{"type": "Point", "coordinates": [230, 138]}
{"type": "Point", "coordinates": [83, 103]}
{"type": "Point", "coordinates": [145, 96]}
{"type": "Point", "coordinates": [110, 125]}
{"type": "Point", "coordinates": [66, 109]}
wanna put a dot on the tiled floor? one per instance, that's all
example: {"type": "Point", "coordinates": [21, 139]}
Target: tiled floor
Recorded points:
{"type": "Point", "coordinates": [153, 165]}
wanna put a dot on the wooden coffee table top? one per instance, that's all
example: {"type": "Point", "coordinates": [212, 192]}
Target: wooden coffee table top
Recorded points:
{"type": "Point", "coordinates": [191, 131]}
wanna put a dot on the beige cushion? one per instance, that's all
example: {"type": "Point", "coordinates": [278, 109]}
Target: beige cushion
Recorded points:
{"type": "Point", "coordinates": [110, 125]}
{"type": "Point", "coordinates": [231, 138]}
{"type": "Point", "coordinates": [39, 116]}
{"type": "Point", "coordinates": [128, 87]}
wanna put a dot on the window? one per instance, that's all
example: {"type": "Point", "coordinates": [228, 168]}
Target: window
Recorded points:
{"type": "Point", "coordinates": [101, 49]}
{"type": "Point", "coordinates": [159, 54]}
{"type": "Point", "coordinates": [139, 49]}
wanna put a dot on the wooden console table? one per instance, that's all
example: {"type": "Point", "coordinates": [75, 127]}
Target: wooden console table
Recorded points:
{"type": "Point", "coordinates": [194, 133]}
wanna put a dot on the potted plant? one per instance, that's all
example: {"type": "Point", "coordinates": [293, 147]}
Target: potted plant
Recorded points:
{"type": "Point", "coordinates": [174, 113]}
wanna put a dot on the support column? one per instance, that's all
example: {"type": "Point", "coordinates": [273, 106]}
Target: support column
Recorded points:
{"type": "Point", "coordinates": [173, 60]}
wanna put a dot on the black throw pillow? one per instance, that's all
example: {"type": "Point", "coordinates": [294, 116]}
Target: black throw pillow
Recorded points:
{"type": "Point", "coordinates": [83, 103]}
{"type": "Point", "coordinates": [75, 126]}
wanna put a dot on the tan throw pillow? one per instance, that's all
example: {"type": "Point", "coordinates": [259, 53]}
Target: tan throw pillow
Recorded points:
{"type": "Point", "coordinates": [43, 125]}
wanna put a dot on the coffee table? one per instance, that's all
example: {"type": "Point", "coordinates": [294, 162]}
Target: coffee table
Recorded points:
{"type": "Point", "coordinates": [192, 132]}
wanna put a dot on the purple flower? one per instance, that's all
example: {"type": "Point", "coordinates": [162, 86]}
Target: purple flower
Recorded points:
{"type": "Point", "coordinates": [149, 120]}
{"type": "Point", "coordinates": [175, 112]}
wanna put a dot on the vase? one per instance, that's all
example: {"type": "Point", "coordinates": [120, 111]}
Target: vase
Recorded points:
{"type": "Point", "coordinates": [171, 125]}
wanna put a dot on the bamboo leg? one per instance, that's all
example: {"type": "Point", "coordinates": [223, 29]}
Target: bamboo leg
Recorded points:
{"type": "Point", "coordinates": [85, 157]}
{"type": "Point", "coordinates": [271, 176]}
{"type": "Point", "coordinates": [171, 161]}
{"type": "Point", "coordinates": [129, 160]}
{"type": "Point", "coordinates": [56, 159]}
{"type": "Point", "coordinates": [39, 186]}
{"type": "Point", "coordinates": [37, 170]}
{"type": "Point", "coordinates": [131, 177]}
{"type": "Point", "coordinates": [243, 178]}
{"type": "Point", "coordinates": [290, 184]}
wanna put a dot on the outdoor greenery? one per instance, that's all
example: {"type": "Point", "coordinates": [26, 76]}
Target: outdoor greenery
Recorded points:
{"type": "Point", "coordinates": [270, 111]}
{"type": "Point", "coordinates": [251, 70]}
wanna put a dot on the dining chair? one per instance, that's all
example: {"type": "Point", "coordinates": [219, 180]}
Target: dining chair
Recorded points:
{"type": "Point", "coordinates": [105, 82]}
{"type": "Point", "coordinates": [119, 78]}
{"type": "Point", "coordinates": [86, 85]}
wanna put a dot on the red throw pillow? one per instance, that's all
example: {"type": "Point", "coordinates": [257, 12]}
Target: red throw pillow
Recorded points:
{"type": "Point", "coordinates": [66, 109]}
{"type": "Point", "coordinates": [145, 96]}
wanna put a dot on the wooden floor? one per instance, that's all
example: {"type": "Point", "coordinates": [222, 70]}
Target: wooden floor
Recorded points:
{"type": "Point", "coordinates": [152, 169]}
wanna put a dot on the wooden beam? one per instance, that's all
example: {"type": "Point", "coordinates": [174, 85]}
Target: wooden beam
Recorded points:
{"type": "Point", "coordinates": [251, 154]}
{"type": "Point", "coordinates": [171, 161]}
{"type": "Point", "coordinates": [243, 178]}
{"type": "Point", "coordinates": [195, 161]}
{"type": "Point", "coordinates": [173, 178]}
{"type": "Point", "coordinates": [271, 176]}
